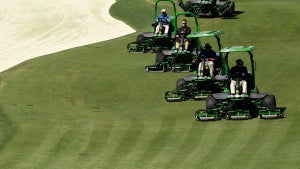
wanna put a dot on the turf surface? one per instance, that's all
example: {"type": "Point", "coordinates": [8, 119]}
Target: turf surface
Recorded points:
{"type": "Point", "coordinates": [96, 107]}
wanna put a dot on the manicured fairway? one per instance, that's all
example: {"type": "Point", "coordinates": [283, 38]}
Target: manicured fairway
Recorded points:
{"type": "Point", "coordinates": [95, 106]}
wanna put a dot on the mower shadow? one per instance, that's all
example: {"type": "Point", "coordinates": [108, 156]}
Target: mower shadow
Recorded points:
{"type": "Point", "coordinates": [236, 13]}
{"type": "Point", "coordinates": [234, 16]}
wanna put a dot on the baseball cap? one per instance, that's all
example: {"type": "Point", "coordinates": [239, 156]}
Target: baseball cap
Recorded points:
{"type": "Point", "coordinates": [207, 45]}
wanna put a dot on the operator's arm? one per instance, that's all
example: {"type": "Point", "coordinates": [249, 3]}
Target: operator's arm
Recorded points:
{"type": "Point", "coordinates": [179, 30]}
{"type": "Point", "coordinates": [244, 73]}
{"type": "Point", "coordinates": [188, 31]}
{"type": "Point", "coordinates": [168, 19]}
{"type": "Point", "coordinates": [159, 18]}
{"type": "Point", "coordinates": [232, 72]}
{"type": "Point", "coordinates": [212, 56]}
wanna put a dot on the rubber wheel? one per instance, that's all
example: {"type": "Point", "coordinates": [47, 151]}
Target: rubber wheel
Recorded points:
{"type": "Point", "coordinates": [210, 102]}
{"type": "Point", "coordinates": [147, 69]}
{"type": "Point", "coordinates": [140, 37]}
{"type": "Point", "coordinates": [159, 58]}
{"type": "Point", "coordinates": [254, 112]}
{"type": "Point", "coordinates": [180, 84]}
{"type": "Point", "coordinates": [233, 9]}
{"type": "Point", "coordinates": [269, 101]}
{"type": "Point", "coordinates": [281, 115]}
{"type": "Point", "coordinates": [228, 117]}
{"type": "Point", "coordinates": [188, 5]}
{"type": "Point", "coordinates": [128, 48]}
{"type": "Point", "coordinates": [228, 13]}
{"type": "Point", "coordinates": [196, 116]}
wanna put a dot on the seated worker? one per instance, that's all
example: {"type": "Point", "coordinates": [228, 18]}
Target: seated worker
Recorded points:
{"type": "Point", "coordinates": [238, 72]}
{"type": "Point", "coordinates": [163, 19]}
{"type": "Point", "coordinates": [181, 34]}
{"type": "Point", "coordinates": [208, 57]}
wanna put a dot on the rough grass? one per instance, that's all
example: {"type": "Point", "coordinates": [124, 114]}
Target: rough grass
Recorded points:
{"type": "Point", "coordinates": [95, 107]}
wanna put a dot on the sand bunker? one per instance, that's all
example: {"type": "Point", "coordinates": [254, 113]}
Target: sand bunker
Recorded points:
{"type": "Point", "coordinates": [32, 28]}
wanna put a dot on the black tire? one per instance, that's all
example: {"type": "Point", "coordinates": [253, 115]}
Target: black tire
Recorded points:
{"type": "Point", "coordinates": [281, 115]}
{"type": "Point", "coordinates": [228, 12]}
{"type": "Point", "coordinates": [180, 84]}
{"type": "Point", "coordinates": [228, 116]}
{"type": "Point", "coordinates": [196, 116]}
{"type": "Point", "coordinates": [128, 47]}
{"type": "Point", "coordinates": [257, 90]}
{"type": "Point", "coordinates": [147, 69]}
{"type": "Point", "coordinates": [254, 111]}
{"type": "Point", "coordinates": [210, 102]}
{"type": "Point", "coordinates": [269, 101]}
{"type": "Point", "coordinates": [188, 6]}
{"type": "Point", "coordinates": [159, 58]}
{"type": "Point", "coordinates": [233, 9]}
{"type": "Point", "coordinates": [140, 37]}
{"type": "Point", "coordinates": [144, 50]}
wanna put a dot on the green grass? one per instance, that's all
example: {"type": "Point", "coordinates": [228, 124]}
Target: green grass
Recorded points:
{"type": "Point", "coordinates": [96, 107]}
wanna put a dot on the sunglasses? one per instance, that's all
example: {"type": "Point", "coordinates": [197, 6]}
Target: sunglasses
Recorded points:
{"type": "Point", "coordinates": [184, 23]}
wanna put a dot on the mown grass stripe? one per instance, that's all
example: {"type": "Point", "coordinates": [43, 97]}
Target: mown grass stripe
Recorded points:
{"type": "Point", "coordinates": [96, 94]}
{"type": "Point", "coordinates": [207, 141]}
{"type": "Point", "coordinates": [188, 145]}
{"type": "Point", "coordinates": [261, 147]}
{"type": "Point", "coordinates": [233, 139]}
{"type": "Point", "coordinates": [125, 145]}
{"type": "Point", "coordinates": [158, 141]}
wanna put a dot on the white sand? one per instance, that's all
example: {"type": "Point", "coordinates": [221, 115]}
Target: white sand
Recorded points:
{"type": "Point", "coordinates": [32, 28]}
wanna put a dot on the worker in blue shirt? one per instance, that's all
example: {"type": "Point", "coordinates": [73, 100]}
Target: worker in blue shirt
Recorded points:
{"type": "Point", "coordinates": [163, 20]}
{"type": "Point", "coordinates": [208, 57]}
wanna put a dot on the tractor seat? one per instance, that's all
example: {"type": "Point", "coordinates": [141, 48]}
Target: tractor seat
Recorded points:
{"type": "Point", "coordinates": [195, 1]}
{"type": "Point", "coordinates": [220, 96]}
{"type": "Point", "coordinates": [167, 52]}
{"type": "Point", "coordinates": [257, 95]}
{"type": "Point", "coordinates": [221, 2]}
{"type": "Point", "coordinates": [194, 52]}
{"type": "Point", "coordinates": [200, 1]}
{"type": "Point", "coordinates": [148, 34]}
{"type": "Point", "coordinates": [173, 36]}
{"type": "Point", "coordinates": [221, 77]}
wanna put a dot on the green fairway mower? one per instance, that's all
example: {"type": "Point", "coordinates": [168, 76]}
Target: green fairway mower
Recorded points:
{"type": "Point", "coordinates": [149, 41]}
{"type": "Point", "coordinates": [237, 105]}
{"type": "Point", "coordinates": [179, 60]}
{"type": "Point", "coordinates": [194, 87]}
{"type": "Point", "coordinates": [208, 8]}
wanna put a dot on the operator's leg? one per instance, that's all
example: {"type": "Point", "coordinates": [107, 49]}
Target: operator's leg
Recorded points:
{"type": "Point", "coordinates": [200, 68]}
{"type": "Point", "coordinates": [186, 44]}
{"type": "Point", "coordinates": [244, 85]}
{"type": "Point", "coordinates": [166, 29]}
{"type": "Point", "coordinates": [232, 87]}
{"type": "Point", "coordinates": [157, 29]}
{"type": "Point", "coordinates": [211, 65]}
{"type": "Point", "coordinates": [177, 45]}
